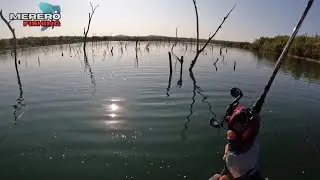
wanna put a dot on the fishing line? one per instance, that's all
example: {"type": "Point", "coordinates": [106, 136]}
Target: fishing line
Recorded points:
{"type": "Point", "coordinates": [312, 142]}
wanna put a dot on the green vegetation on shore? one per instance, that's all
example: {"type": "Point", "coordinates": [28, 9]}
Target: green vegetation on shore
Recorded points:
{"type": "Point", "coordinates": [303, 46]}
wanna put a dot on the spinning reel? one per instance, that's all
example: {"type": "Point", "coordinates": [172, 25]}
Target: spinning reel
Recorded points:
{"type": "Point", "coordinates": [241, 121]}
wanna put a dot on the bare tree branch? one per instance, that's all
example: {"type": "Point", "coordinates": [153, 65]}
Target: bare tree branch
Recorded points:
{"type": "Point", "coordinates": [14, 39]}
{"type": "Point", "coordinates": [179, 59]}
{"type": "Point", "coordinates": [91, 6]}
{"type": "Point", "coordinates": [20, 101]}
{"type": "Point", "coordinates": [198, 51]}
{"type": "Point", "coordinates": [220, 26]}
{"type": "Point", "coordinates": [197, 18]}
{"type": "Point", "coordinates": [93, 9]}
{"type": "Point", "coordinates": [7, 23]}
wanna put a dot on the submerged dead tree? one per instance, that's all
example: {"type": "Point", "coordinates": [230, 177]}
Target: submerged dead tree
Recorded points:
{"type": "Point", "coordinates": [86, 61]}
{"type": "Point", "coordinates": [86, 31]}
{"type": "Point", "coordinates": [198, 50]}
{"type": "Point", "coordinates": [13, 41]}
{"type": "Point", "coordinates": [170, 75]}
{"type": "Point", "coordinates": [88, 67]}
{"type": "Point", "coordinates": [179, 83]}
{"type": "Point", "coordinates": [20, 101]}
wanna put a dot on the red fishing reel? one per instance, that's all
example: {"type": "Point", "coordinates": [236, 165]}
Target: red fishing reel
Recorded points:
{"type": "Point", "coordinates": [242, 121]}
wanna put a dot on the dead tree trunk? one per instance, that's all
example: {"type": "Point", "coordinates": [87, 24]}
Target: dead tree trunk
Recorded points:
{"type": "Point", "coordinates": [20, 100]}
{"type": "Point", "coordinates": [170, 62]}
{"type": "Point", "coordinates": [86, 31]}
{"type": "Point", "coordinates": [170, 75]}
{"type": "Point", "coordinates": [198, 50]}
{"type": "Point", "coordinates": [197, 18]}
{"type": "Point", "coordinates": [179, 83]}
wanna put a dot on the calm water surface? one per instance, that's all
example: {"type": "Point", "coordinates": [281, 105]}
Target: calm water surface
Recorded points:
{"type": "Point", "coordinates": [119, 117]}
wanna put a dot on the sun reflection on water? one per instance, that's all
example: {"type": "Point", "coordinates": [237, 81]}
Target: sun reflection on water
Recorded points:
{"type": "Point", "coordinates": [112, 112]}
{"type": "Point", "coordinates": [112, 115]}
{"type": "Point", "coordinates": [114, 107]}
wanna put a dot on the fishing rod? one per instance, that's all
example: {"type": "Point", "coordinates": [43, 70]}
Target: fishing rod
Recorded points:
{"type": "Point", "coordinates": [259, 103]}
{"type": "Point", "coordinates": [237, 93]}
{"type": "Point", "coordinates": [236, 114]}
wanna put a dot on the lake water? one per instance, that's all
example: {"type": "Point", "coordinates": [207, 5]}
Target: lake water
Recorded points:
{"type": "Point", "coordinates": [114, 117]}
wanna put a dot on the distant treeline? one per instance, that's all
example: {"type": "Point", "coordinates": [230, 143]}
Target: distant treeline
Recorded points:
{"type": "Point", "coordinates": [44, 41]}
{"type": "Point", "coordinates": [303, 46]}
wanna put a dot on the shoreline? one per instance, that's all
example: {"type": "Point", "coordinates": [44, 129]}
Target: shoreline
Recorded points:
{"type": "Point", "coordinates": [288, 55]}
{"type": "Point", "coordinates": [228, 44]}
{"type": "Point", "coordinates": [306, 59]}
{"type": "Point", "coordinates": [298, 57]}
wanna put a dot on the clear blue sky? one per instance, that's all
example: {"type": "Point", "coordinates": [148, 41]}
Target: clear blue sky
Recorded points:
{"type": "Point", "coordinates": [250, 19]}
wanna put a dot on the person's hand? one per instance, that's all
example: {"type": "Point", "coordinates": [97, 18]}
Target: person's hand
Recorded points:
{"type": "Point", "coordinates": [230, 136]}
{"type": "Point", "coordinates": [219, 177]}
{"type": "Point", "coordinates": [239, 164]}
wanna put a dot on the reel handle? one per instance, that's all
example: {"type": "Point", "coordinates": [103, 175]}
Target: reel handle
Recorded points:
{"type": "Point", "coordinates": [229, 111]}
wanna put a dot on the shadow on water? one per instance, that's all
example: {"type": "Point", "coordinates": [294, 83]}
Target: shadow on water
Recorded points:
{"type": "Point", "coordinates": [19, 107]}
{"type": "Point", "coordinates": [298, 68]}
{"type": "Point", "coordinates": [170, 75]}
{"type": "Point", "coordinates": [147, 48]}
{"type": "Point", "coordinates": [20, 101]}
{"type": "Point", "coordinates": [169, 84]}
{"type": "Point", "coordinates": [196, 90]}
{"type": "Point", "coordinates": [88, 67]}
{"type": "Point", "coordinates": [39, 61]}
{"type": "Point", "coordinates": [186, 124]}
{"type": "Point", "coordinates": [215, 64]}
{"type": "Point", "coordinates": [137, 58]}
